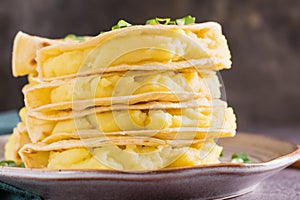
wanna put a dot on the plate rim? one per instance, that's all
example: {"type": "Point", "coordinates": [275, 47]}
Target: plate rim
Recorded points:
{"type": "Point", "coordinates": [76, 174]}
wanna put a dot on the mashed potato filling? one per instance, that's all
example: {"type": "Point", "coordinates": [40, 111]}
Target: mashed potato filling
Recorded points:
{"type": "Point", "coordinates": [128, 120]}
{"type": "Point", "coordinates": [15, 142]}
{"type": "Point", "coordinates": [139, 46]}
{"type": "Point", "coordinates": [125, 84]}
{"type": "Point", "coordinates": [126, 157]}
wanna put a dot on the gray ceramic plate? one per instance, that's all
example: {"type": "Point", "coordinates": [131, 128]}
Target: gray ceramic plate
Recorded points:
{"type": "Point", "coordinates": [206, 182]}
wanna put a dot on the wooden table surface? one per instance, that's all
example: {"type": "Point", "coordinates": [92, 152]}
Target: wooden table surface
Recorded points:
{"type": "Point", "coordinates": [284, 184]}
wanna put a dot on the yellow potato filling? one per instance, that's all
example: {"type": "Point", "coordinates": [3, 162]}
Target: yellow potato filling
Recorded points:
{"type": "Point", "coordinates": [10, 148]}
{"type": "Point", "coordinates": [138, 47]}
{"type": "Point", "coordinates": [15, 142]}
{"type": "Point", "coordinates": [124, 85]}
{"type": "Point", "coordinates": [130, 157]}
{"type": "Point", "coordinates": [128, 120]}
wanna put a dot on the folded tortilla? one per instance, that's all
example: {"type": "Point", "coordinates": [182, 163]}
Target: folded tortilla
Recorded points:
{"type": "Point", "coordinates": [121, 88]}
{"type": "Point", "coordinates": [164, 119]}
{"type": "Point", "coordinates": [123, 154]}
{"type": "Point", "coordinates": [144, 97]}
{"type": "Point", "coordinates": [16, 141]}
{"type": "Point", "coordinates": [143, 47]}
{"type": "Point", "coordinates": [25, 49]}
{"type": "Point", "coordinates": [59, 113]}
{"type": "Point", "coordinates": [185, 133]}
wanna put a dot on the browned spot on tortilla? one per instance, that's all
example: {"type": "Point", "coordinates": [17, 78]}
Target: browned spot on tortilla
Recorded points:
{"type": "Point", "coordinates": [45, 44]}
{"type": "Point", "coordinates": [33, 62]}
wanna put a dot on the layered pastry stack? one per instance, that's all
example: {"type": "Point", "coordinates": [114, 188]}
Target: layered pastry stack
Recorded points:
{"type": "Point", "coordinates": [142, 97]}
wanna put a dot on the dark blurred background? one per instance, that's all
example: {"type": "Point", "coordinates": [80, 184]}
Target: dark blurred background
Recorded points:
{"type": "Point", "coordinates": [264, 38]}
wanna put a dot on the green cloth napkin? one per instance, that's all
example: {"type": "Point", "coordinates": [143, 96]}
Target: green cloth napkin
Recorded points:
{"type": "Point", "coordinates": [8, 120]}
{"type": "Point", "coordinates": [12, 193]}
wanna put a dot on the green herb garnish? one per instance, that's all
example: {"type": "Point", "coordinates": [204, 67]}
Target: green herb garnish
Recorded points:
{"type": "Point", "coordinates": [157, 20]}
{"type": "Point", "coordinates": [221, 154]}
{"type": "Point", "coordinates": [11, 163]}
{"type": "Point", "coordinates": [8, 163]}
{"type": "Point", "coordinates": [167, 21]}
{"type": "Point", "coordinates": [121, 24]}
{"type": "Point", "coordinates": [240, 158]}
{"type": "Point", "coordinates": [22, 165]}
{"type": "Point", "coordinates": [75, 37]}
{"type": "Point", "coordinates": [186, 20]}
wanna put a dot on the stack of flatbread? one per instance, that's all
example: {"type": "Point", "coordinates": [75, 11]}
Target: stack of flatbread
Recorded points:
{"type": "Point", "coordinates": [144, 97]}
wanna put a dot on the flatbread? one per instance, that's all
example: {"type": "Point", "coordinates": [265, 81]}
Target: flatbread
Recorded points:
{"type": "Point", "coordinates": [124, 88]}
{"type": "Point", "coordinates": [144, 47]}
{"type": "Point", "coordinates": [156, 117]}
{"type": "Point", "coordinates": [98, 154]}
{"type": "Point", "coordinates": [16, 141]}
{"type": "Point", "coordinates": [184, 133]}
{"type": "Point", "coordinates": [24, 52]}
{"type": "Point", "coordinates": [48, 113]}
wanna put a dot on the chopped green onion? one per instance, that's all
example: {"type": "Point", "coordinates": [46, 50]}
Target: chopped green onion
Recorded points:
{"type": "Point", "coordinates": [22, 165]}
{"type": "Point", "coordinates": [221, 154]}
{"type": "Point", "coordinates": [186, 20]}
{"type": "Point", "coordinates": [151, 21]}
{"type": "Point", "coordinates": [75, 37]}
{"type": "Point", "coordinates": [11, 163]}
{"type": "Point", "coordinates": [240, 158]}
{"type": "Point", "coordinates": [121, 24]}
{"type": "Point", "coordinates": [172, 23]}
{"type": "Point", "coordinates": [165, 21]}
{"type": "Point", "coordinates": [8, 163]}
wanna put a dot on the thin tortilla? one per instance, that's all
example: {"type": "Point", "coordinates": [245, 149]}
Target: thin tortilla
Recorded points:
{"type": "Point", "coordinates": [184, 133]}
{"type": "Point", "coordinates": [173, 87]}
{"type": "Point", "coordinates": [212, 119]}
{"type": "Point", "coordinates": [24, 52]}
{"type": "Point", "coordinates": [15, 142]}
{"type": "Point", "coordinates": [109, 154]}
{"type": "Point", "coordinates": [204, 48]}
{"type": "Point", "coordinates": [60, 114]}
